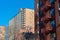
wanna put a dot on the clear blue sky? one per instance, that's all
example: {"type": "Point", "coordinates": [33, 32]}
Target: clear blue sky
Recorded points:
{"type": "Point", "coordinates": [9, 8]}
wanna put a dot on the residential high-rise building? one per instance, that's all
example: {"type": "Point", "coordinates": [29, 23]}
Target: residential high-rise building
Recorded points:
{"type": "Point", "coordinates": [27, 21]}
{"type": "Point", "coordinates": [11, 29]}
{"type": "Point", "coordinates": [22, 22]}
{"type": "Point", "coordinates": [2, 32]}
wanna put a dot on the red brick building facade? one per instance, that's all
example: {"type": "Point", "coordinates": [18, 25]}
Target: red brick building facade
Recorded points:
{"type": "Point", "coordinates": [47, 20]}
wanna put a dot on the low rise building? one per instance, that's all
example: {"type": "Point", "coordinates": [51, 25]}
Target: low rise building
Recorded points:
{"type": "Point", "coordinates": [2, 32]}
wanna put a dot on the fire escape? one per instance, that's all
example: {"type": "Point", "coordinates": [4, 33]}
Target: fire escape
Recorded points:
{"type": "Point", "coordinates": [46, 19]}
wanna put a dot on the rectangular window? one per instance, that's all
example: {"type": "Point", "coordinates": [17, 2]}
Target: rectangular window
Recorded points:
{"type": "Point", "coordinates": [59, 11]}
{"type": "Point", "coordinates": [40, 13]}
{"type": "Point", "coordinates": [59, 6]}
{"type": "Point", "coordinates": [40, 3]}
{"type": "Point", "coordinates": [52, 13]}
{"type": "Point", "coordinates": [53, 24]}
{"type": "Point", "coordinates": [51, 1]}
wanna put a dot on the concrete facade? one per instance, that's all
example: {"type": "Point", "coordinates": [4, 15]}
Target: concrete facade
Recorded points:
{"type": "Point", "coordinates": [11, 30]}
{"type": "Point", "coordinates": [29, 19]}
{"type": "Point", "coordinates": [2, 32]}
{"type": "Point", "coordinates": [19, 23]}
{"type": "Point", "coordinates": [28, 22]}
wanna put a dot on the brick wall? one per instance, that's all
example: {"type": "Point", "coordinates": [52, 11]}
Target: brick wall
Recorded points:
{"type": "Point", "coordinates": [58, 33]}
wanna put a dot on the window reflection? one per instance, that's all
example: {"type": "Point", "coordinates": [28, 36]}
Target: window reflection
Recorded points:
{"type": "Point", "coordinates": [51, 1]}
{"type": "Point", "coordinates": [40, 3]}
{"type": "Point", "coordinates": [52, 23]}
{"type": "Point", "coordinates": [52, 12]}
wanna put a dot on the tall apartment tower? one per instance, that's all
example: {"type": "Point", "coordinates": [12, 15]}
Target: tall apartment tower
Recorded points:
{"type": "Point", "coordinates": [2, 32]}
{"type": "Point", "coordinates": [27, 19]}
{"type": "Point", "coordinates": [47, 20]}
{"type": "Point", "coordinates": [21, 22]}
{"type": "Point", "coordinates": [24, 18]}
{"type": "Point", "coordinates": [11, 28]}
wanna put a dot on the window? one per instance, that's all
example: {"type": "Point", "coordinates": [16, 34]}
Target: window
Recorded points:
{"type": "Point", "coordinates": [52, 12]}
{"type": "Point", "coordinates": [51, 1]}
{"type": "Point", "coordinates": [40, 13]}
{"type": "Point", "coordinates": [40, 3]}
{"type": "Point", "coordinates": [40, 24]}
{"type": "Point", "coordinates": [58, 6]}
{"type": "Point", "coordinates": [41, 35]}
{"type": "Point", "coordinates": [53, 23]}
{"type": "Point", "coordinates": [59, 3]}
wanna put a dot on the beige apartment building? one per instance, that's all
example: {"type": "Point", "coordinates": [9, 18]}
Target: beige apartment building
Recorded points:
{"type": "Point", "coordinates": [28, 20]}
{"type": "Point", "coordinates": [2, 32]}
{"type": "Point", "coordinates": [11, 29]}
{"type": "Point", "coordinates": [21, 22]}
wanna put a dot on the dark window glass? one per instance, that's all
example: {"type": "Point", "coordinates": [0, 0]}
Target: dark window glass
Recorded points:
{"type": "Point", "coordinates": [40, 23]}
{"type": "Point", "coordinates": [59, 12]}
{"type": "Point", "coordinates": [40, 13]}
{"type": "Point", "coordinates": [40, 3]}
{"type": "Point", "coordinates": [53, 23]}
{"type": "Point", "coordinates": [51, 1]}
{"type": "Point", "coordinates": [59, 5]}
{"type": "Point", "coordinates": [41, 36]}
{"type": "Point", "coordinates": [52, 12]}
